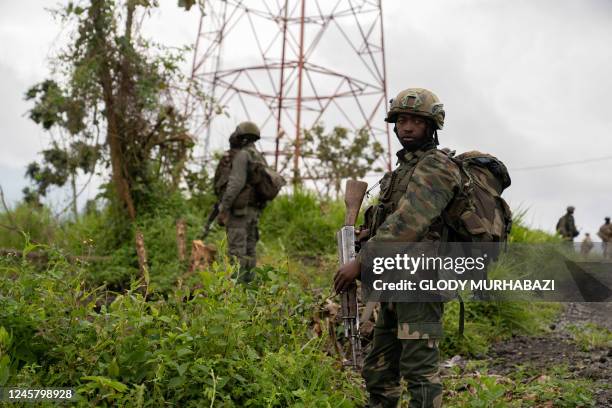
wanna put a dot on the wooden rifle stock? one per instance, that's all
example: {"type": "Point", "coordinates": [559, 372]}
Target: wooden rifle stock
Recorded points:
{"type": "Point", "coordinates": [355, 192]}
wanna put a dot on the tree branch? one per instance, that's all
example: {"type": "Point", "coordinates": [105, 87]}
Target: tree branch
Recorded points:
{"type": "Point", "coordinates": [9, 215]}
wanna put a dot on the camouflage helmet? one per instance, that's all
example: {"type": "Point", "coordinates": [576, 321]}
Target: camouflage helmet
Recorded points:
{"type": "Point", "coordinates": [570, 209]}
{"type": "Point", "coordinates": [248, 129]}
{"type": "Point", "coordinates": [417, 101]}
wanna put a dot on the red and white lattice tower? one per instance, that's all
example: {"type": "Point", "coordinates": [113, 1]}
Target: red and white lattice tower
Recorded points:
{"type": "Point", "coordinates": [288, 65]}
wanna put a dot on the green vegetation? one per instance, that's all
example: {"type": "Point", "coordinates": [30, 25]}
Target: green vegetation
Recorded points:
{"type": "Point", "coordinates": [207, 340]}
{"type": "Point", "coordinates": [488, 322]}
{"type": "Point", "coordinates": [522, 389]}
{"type": "Point", "coordinates": [591, 336]}
{"type": "Point", "coordinates": [223, 343]}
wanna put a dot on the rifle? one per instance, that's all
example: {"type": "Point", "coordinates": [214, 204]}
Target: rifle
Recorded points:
{"type": "Point", "coordinates": [355, 191]}
{"type": "Point", "coordinates": [211, 218]}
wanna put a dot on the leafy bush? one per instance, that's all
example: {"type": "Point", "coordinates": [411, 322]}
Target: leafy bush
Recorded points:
{"type": "Point", "coordinates": [224, 344]}
{"type": "Point", "coordinates": [302, 224]}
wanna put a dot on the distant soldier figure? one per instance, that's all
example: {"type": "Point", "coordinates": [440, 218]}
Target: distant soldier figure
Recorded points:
{"type": "Point", "coordinates": [566, 226]}
{"type": "Point", "coordinates": [240, 204]}
{"type": "Point", "coordinates": [605, 233]}
{"type": "Point", "coordinates": [587, 244]}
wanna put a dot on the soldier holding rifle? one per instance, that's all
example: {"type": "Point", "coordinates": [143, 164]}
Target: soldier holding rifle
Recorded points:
{"type": "Point", "coordinates": [411, 203]}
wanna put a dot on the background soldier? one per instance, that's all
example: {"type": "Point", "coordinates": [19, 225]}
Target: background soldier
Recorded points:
{"type": "Point", "coordinates": [239, 207]}
{"type": "Point", "coordinates": [587, 244]}
{"type": "Point", "coordinates": [566, 226]}
{"type": "Point", "coordinates": [605, 233]}
{"type": "Point", "coordinates": [412, 199]}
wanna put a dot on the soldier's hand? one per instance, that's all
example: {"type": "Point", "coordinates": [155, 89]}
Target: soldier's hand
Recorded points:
{"type": "Point", "coordinates": [346, 275]}
{"type": "Point", "coordinates": [362, 234]}
{"type": "Point", "coordinates": [223, 218]}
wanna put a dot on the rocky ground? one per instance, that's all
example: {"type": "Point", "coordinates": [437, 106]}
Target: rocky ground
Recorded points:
{"type": "Point", "coordinates": [560, 348]}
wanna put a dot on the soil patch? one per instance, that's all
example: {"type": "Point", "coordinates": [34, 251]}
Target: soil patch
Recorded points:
{"type": "Point", "coordinates": [558, 348]}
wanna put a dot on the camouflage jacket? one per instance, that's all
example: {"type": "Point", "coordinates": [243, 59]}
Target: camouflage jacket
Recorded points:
{"type": "Point", "coordinates": [238, 193]}
{"type": "Point", "coordinates": [587, 245]}
{"type": "Point", "coordinates": [566, 227]}
{"type": "Point", "coordinates": [412, 200]}
{"type": "Point", "coordinates": [413, 197]}
{"type": "Point", "coordinates": [605, 232]}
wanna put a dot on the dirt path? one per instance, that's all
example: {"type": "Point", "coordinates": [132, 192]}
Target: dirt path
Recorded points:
{"type": "Point", "coordinates": [559, 348]}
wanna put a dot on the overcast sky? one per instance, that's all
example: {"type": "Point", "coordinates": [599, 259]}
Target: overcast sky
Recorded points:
{"type": "Point", "coordinates": [528, 81]}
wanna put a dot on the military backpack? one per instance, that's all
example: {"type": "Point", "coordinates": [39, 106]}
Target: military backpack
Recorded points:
{"type": "Point", "coordinates": [478, 213]}
{"type": "Point", "coordinates": [263, 183]}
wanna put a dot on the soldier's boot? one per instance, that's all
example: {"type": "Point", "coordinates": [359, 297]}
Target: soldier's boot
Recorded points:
{"type": "Point", "coordinates": [419, 367]}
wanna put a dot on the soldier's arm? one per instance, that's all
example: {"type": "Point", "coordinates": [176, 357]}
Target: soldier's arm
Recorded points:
{"type": "Point", "coordinates": [237, 180]}
{"type": "Point", "coordinates": [434, 183]}
{"type": "Point", "coordinates": [572, 228]}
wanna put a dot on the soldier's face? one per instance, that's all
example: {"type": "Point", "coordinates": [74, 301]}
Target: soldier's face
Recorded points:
{"type": "Point", "coordinates": [411, 129]}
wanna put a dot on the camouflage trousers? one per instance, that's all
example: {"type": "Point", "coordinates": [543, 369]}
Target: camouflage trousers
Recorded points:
{"type": "Point", "coordinates": [406, 351]}
{"type": "Point", "coordinates": [242, 237]}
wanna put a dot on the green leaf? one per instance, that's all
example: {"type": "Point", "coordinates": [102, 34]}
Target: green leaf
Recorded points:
{"type": "Point", "coordinates": [113, 368]}
{"type": "Point", "coordinates": [106, 382]}
{"type": "Point", "coordinates": [5, 369]}
{"type": "Point", "coordinates": [176, 382]}
{"type": "Point", "coordinates": [183, 352]}
{"type": "Point", "coordinates": [182, 368]}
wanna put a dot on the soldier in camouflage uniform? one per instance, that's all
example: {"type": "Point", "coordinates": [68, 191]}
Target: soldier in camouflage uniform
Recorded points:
{"type": "Point", "coordinates": [587, 245]}
{"type": "Point", "coordinates": [239, 210]}
{"type": "Point", "coordinates": [605, 233]}
{"type": "Point", "coordinates": [566, 226]}
{"type": "Point", "coordinates": [411, 203]}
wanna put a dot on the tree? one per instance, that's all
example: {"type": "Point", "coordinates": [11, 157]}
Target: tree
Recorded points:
{"type": "Point", "coordinates": [340, 154]}
{"type": "Point", "coordinates": [59, 166]}
{"type": "Point", "coordinates": [112, 81]}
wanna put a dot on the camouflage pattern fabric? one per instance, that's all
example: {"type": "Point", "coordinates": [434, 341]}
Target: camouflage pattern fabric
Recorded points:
{"type": "Point", "coordinates": [411, 356]}
{"type": "Point", "coordinates": [242, 237]}
{"type": "Point", "coordinates": [605, 233]}
{"type": "Point", "coordinates": [238, 199]}
{"type": "Point", "coordinates": [417, 195]}
{"type": "Point", "coordinates": [417, 101]}
{"type": "Point", "coordinates": [566, 227]}
{"type": "Point", "coordinates": [237, 194]}
{"type": "Point", "coordinates": [586, 246]}
{"type": "Point", "coordinates": [405, 343]}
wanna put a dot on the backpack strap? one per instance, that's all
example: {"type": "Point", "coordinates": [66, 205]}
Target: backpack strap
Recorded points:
{"type": "Point", "coordinates": [461, 315]}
